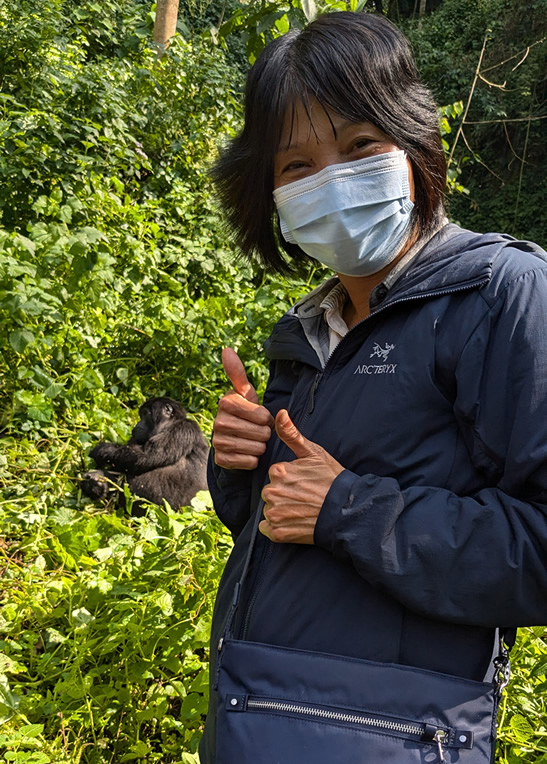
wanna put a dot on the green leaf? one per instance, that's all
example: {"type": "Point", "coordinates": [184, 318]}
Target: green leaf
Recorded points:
{"type": "Point", "coordinates": [540, 667]}
{"type": "Point", "coordinates": [31, 730]}
{"type": "Point", "coordinates": [82, 617]}
{"type": "Point", "coordinates": [521, 728]}
{"type": "Point", "coordinates": [136, 751]}
{"type": "Point", "coordinates": [40, 413]}
{"type": "Point", "coordinates": [54, 390]}
{"type": "Point", "coordinates": [7, 697]}
{"type": "Point", "coordinates": [65, 213]}
{"type": "Point", "coordinates": [20, 339]}
{"type": "Point", "coordinates": [165, 603]}
{"type": "Point", "coordinates": [26, 244]}
{"type": "Point", "coordinates": [41, 204]}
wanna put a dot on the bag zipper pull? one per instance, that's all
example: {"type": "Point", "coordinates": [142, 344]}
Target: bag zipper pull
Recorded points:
{"type": "Point", "coordinates": [439, 737]}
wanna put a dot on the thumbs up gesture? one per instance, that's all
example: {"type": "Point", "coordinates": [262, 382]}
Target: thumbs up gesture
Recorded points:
{"type": "Point", "coordinates": [295, 494]}
{"type": "Point", "coordinates": [242, 426]}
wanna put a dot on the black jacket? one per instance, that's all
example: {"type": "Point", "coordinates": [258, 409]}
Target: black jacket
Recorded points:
{"type": "Point", "coordinates": [436, 532]}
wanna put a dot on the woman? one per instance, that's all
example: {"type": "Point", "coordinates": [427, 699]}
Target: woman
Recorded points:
{"type": "Point", "coordinates": [401, 448]}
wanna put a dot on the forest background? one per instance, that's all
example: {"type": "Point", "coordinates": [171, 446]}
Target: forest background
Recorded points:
{"type": "Point", "coordinates": [118, 283]}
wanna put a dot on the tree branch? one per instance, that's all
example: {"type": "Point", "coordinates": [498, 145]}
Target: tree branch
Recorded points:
{"type": "Point", "coordinates": [498, 121]}
{"type": "Point", "coordinates": [475, 78]}
{"type": "Point", "coordinates": [526, 51]}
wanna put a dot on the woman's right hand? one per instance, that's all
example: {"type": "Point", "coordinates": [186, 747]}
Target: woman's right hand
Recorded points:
{"type": "Point", "coordinates": [242, 426]}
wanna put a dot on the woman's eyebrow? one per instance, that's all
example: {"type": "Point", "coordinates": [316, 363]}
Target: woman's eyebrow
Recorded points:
{"type": "Point", "coordinates": [338, 122]}
{"type": "Point", "coordinates": [340, 126]}
{"type": "Point", "coordinates": [289, 147]}
{"type": "Point", "coordinates": [344, 124]}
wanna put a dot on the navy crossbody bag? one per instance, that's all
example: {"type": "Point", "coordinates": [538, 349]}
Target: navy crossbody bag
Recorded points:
{"type": "Point", "coordinates": [279, 705]}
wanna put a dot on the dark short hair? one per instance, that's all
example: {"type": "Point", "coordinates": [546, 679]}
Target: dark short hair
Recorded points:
{"type": "Point", "coordinates": [357, 65]}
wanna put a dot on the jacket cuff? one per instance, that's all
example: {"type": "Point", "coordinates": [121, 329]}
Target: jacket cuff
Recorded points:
{"type": "Point", "coordinates": [339, 497]}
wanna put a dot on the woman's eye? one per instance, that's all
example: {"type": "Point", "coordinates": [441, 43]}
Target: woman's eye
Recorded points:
{"type": "Point", "coordinates": [293, 166]}
{"type": "Point", "coordinates": [361, 144]}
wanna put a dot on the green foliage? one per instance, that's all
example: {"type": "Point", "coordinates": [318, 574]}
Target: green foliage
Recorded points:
{"type": "Point", "coordinates": [257, 22]}
{"type": "Point", "coordinates": [93, 315]}
{"type": "Point", "coordinates": [447, 114]}
{"type": "Point", "coordinates": [104, 632]}
{"type": "Point", "coordinates": [503, 137]}
{"type": "Point", "coordinates": [73, 122]}
{"type": "Point", "coordinates": [523, 715]}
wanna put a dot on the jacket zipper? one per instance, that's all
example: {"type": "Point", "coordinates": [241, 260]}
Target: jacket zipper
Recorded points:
{"type": "Point", "coordinates": [311, 397]}
{"type": "Point", "coordinates": [420, 731]}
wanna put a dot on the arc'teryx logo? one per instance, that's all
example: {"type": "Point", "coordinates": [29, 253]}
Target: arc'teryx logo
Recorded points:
{"type": "Point", "coordinates": [383, 368]}
{"type": "Point", "coordinates": [382, 353]}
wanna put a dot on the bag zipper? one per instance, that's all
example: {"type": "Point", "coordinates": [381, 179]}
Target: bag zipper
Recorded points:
{"type": "Point", "coordinates": [422, 732]}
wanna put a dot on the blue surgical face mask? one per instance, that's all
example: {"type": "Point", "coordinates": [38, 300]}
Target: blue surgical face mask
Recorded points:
{"type": "Point", "coordinates": [353, 217]}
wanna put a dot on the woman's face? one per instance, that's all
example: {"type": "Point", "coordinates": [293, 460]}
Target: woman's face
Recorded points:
{"type": "Point", "coordinates": [308, 146]}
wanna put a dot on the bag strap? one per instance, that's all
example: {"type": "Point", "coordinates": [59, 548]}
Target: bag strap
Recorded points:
{"type": "Point", "coordinates": [237, 589]}
{"type": "Point", "coordinates": [227, 632]}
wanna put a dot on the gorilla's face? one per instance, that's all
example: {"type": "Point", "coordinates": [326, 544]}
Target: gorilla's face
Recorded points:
{"type": "Point", "coordinates": [155, 416]}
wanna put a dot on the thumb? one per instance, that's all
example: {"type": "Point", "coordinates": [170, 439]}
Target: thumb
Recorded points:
{"type": "Point", "coordinates": [235, 372]}
{"type": "Point", "coordinates": [292, 437]}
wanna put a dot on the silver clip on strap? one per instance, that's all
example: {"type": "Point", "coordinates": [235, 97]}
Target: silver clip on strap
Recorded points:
{"type": "Point", "coordinates": [502, 662]}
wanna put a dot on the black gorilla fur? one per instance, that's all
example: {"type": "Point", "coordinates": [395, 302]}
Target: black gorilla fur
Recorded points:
{"type": "Point", "coordinates": [165, 458]}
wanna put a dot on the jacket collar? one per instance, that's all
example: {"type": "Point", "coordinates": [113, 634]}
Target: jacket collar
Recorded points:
{"type": "Point", "coordinates": [453, 260]}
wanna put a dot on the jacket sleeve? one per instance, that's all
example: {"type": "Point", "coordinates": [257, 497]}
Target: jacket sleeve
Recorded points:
{"type": "Point", "coordinates": [478, 559]}
{"type": "Point", "coordinates": [231, 494]}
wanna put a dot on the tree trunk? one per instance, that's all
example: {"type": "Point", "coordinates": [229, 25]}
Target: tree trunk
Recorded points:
{"type": "Point", "coordinates": [165, 25]}
{"type": "Point", "coordinates": [423, 4]}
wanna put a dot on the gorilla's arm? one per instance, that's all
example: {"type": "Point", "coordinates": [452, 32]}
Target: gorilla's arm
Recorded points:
{"type": "Point", "coordinates": [160, 450]}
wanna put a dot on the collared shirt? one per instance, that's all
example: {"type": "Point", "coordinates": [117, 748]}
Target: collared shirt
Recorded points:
{"type": "Point", "coordinates": [321, 311]}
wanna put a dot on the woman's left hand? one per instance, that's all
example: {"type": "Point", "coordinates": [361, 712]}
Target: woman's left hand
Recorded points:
{"type": "Point", "coordinates": [295, 494]}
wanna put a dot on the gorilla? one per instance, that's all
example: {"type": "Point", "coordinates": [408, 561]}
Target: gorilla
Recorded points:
{"type": "Point", "coordinates": [165, 458]}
